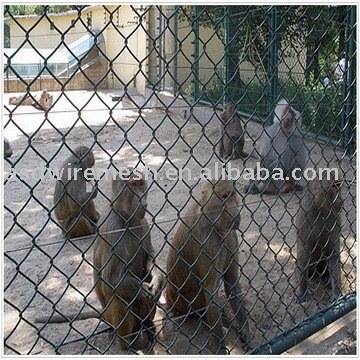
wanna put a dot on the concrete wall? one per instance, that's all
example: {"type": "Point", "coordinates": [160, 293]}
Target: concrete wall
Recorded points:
{"type": "Point", "coordinates": [125, 43]}
{"type": "Point", "coordinates": [126, 50]}
{"type": "Point", "coordinates": [42, 37]}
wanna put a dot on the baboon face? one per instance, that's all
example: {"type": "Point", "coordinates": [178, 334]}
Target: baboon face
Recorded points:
{"type": "Point", "coordinates": [288, 120]}
{"type": "Point", "coordinates": [329, 199]}
{"type": "Point", "coordinates": [84, 157]}
{"type": "Point", "coordinates": [333, 197]}
{"type": "Point", "coordinates": [223, 205]}
{"type": "Point", "coordinates": [88, 161]}
{"type": "Point", "coordinates": [228, 111]}
{"type": "Point", "coordinates": [130, 196]}
{"type": "Point", "coordinates": [229, 108]}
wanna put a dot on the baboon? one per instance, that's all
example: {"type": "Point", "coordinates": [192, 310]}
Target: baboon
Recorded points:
{"type": "Point", "coordinates": [318, 236]}
{"type": "Point", "coordinates": [127, 280]}
{"type": "Point", "coordinates": [74, 206]}
{"type": "Point", "coordinates": [203, 252]}
{"type": "Point", "coordinates": [40, 101]}
{"type": "Point", "coordinates": [232, 134]}
{"type": "Point", "coordinates": [7, 148]}
{"type": "Point", "coordinates": [282, 150]}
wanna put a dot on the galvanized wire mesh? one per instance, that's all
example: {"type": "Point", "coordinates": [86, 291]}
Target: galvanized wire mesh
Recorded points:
{"type": "Point", "coordinates": [143, 86]}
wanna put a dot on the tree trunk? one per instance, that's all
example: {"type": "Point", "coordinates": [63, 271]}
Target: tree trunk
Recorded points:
{"type": "Point", "coordinates": [341, 20]}
{"type": "Point", "coordinates": [315, 65]}
{"type": "Point", "coordinates": [308, 65]}
{"type": "Point", "coordinates": [233, 53]}
{"type": "Point", "coordinates": [234, 72]}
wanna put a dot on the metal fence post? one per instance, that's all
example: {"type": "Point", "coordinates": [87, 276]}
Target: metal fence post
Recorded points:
{"type": "Point", "coordinates": [226, 55]}
{"type": "Point", "coordinates": [195, 66]}
{"type": "Point", "coordinates": [349, 88]}
{"type": "Point", "coordinates": [176, 48]}
{"type": "Point", "coordinates": [272, 70]}
{"type": "Point", "coordinates": [160, 59]}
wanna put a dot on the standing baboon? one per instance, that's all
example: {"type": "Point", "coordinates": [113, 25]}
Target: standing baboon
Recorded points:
{"type": "Point", "coordinates": [203, 252]}
{"type": "Point", "coordinates": [318, 236]}
{"type": "Point", "coordinates": [282, 149]}
{"type": "Point", "coordinates": [232, 134]}
{"type": "Point", "coordinates": [7, 148]}
{"type": "Point", "coordinates": [127, 281]}
{"type": "Point", "coordinates": [74, 206]}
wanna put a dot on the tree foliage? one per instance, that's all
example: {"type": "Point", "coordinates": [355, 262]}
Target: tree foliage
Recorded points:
{"type": "Point", "coordinates": [318, 30]}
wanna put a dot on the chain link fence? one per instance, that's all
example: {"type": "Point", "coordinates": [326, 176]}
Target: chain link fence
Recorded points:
{"type": "Point", "coordinates": [144, 87]}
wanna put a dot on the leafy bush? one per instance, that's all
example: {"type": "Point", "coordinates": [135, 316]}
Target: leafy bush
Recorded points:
{"type": "Point", "coordinates": [320, 105]}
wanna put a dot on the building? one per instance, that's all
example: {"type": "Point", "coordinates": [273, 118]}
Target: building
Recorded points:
{"type": "Point", "coordinates": [101, 45]}
{"type": "Point", "coordinates": [118, 47]}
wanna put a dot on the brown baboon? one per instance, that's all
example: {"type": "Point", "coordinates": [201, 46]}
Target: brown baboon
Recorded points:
{"type": "Point", "coordinates": [203, 252]}
{"type": "Point", "coordinates": [40, 101]}
{"type": "Point", "coordinates": [127, 280]}
{"type": "Point", "coordinates": [318, 236]}
{"type": "Point", "coordinates": [7, 148]}
{"type": "Point", "coordinates": [232, 134]}
{"type": "Point", "coordinates": [74, 206]}
{"type": "Point", "coordinates": [282, 151]}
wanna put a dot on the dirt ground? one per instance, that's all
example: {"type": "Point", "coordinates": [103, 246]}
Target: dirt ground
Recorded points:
{"type": "Point", "coordinates": [43, 272]}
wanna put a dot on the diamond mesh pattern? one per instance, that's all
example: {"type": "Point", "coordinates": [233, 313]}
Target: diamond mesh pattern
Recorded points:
{"type": "Point", "coordinates": [148, 92]}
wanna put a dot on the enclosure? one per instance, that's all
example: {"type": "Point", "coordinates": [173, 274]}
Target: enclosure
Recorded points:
{"type": "Point", "coordinates": [146, 91]}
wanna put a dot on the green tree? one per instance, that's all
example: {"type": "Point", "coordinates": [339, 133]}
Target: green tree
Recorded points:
{"type": "Point", "coordinates": [320, 30]}
{"type": "Point", "coordinates": [317, 29]}
{"type": "Point", "coordinates": [247, 29]}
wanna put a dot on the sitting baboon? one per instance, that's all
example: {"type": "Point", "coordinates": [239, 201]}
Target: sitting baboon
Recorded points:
{"type": "Point", "coordinates": [232, 134]}
{"type": "Point", "coordinates": [127, 281]}
{"type": "Point", "coordinates": [204, 252]}
{"type": "Point", "coordinates": [318, 225]}
{"type": "Point", "coordinates": [74, 206]}
{"type": "Point", "coordinates": [282, 149]}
